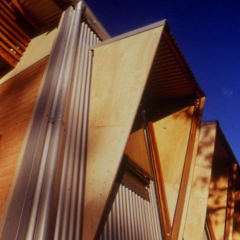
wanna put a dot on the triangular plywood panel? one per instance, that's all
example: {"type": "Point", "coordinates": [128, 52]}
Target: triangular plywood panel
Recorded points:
{"type": "Point", "coordinates": [196, 216]}
{"type": "Point", "coordinates": [120, 73]}
{"type": "Point", "coordinates": [172, 134]}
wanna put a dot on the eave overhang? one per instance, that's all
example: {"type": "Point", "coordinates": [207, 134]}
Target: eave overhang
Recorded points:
{"type": "Point", "coordinates": [22, 20]}
{"type": "Point", "coordinates": [170, 75]}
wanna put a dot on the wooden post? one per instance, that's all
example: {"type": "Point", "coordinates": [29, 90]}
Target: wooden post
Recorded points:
{"type": "Point", "coordinates": [185, 176]}
{"type": "Point", "coordinates": [164, 211]}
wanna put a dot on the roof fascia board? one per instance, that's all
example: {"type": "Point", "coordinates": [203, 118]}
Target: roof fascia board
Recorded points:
{"type": "Point", "coordinates": [129, 34]}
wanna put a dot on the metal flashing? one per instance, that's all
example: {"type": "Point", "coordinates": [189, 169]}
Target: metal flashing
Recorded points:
{"type": "Point", "coordinates": [94, 23]}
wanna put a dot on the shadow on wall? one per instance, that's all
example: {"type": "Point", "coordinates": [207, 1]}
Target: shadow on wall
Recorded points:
{"type": "Point", "coordinates": [236, 217]}
{"type": "Point", "coordinates": [216, 157]}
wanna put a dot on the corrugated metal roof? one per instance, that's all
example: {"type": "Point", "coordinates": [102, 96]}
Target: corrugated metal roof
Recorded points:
{"type": "Point", "coordinates": [170, 75]}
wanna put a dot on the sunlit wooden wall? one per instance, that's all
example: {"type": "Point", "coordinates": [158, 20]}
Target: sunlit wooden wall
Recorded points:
{"type": "Point", "coordinates": [17, 100]}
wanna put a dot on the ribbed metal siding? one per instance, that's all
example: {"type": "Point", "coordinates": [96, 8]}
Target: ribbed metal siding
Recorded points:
{"type": "Point", "coordinates": [129, 216]}
{"type": "Point", "coordinates": [70, 204]}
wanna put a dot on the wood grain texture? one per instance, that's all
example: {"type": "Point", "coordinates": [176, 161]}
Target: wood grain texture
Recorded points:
{"type": "Point", "coordinates": [120, 72]}
{"type": "Point", "coordinates": [196, 214]}
{"type": "Point", "coordinates": [17, 100]}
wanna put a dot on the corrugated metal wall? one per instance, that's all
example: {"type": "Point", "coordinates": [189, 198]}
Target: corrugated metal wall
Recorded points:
{"type": "Point", "coordinates": [69, 212]}
{"type": "Point", "coordinates": [129, 216]}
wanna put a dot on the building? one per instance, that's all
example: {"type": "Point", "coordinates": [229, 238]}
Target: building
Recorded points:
{"type": "Point", "coordinates": [101, 137]}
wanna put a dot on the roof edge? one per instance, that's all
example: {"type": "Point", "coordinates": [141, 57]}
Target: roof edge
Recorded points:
{"type": "Point", "coordinates": [222, 137]}
{"type": "Point", "coordinates": [129, 34]}
{"type": "Point", "coordinates": [95, 23]}
{"type": "Point", "coordinates": [196, 87]}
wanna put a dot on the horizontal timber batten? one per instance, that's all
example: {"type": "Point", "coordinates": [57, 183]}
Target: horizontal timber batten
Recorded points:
{"type": "Point", "coordinates": [13, 39]}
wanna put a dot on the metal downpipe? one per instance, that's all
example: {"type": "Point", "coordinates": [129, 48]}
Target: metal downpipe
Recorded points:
{"type": "Point", "coordinates": [38, 227]}
{"type": "Point", "coordinates": [71, 132]}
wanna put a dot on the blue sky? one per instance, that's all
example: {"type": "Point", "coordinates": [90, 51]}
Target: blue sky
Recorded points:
{"type": "Point", "coordinates": [208, 33]}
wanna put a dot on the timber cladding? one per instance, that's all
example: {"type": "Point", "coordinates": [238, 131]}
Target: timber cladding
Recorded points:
{"type": "Point", "coordinates": [17, 100]}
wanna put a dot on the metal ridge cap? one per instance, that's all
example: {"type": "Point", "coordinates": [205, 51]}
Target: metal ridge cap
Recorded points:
{"type": "Point", "coordinates": [131, 33]}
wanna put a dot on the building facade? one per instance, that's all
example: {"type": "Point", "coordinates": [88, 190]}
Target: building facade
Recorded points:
{"type": "Point", "coordinates": [102, 138]}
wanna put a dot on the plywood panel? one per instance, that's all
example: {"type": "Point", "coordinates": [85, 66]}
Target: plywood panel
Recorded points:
{"type": "Point", "coordinates": [136, 150]}
{"type": "Point", "coordinates": [120, 71]}
{"type": "Point", "coordinates": [195, 221]}
{"type": "Point", "coordinates": [236, 217]}
{"type": "Point", "coordinates": [38, 48]}
{"type": "Point", "coordinates": [217, 201]}
{"type": "Point", "coordinates": [172, 134]}
{"type": "Point", "coordinates": [230, 202]}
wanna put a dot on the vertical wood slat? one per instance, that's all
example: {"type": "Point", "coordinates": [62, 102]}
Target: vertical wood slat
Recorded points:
{"type": "Point", "coordinates": [230, 202]}
{"type": "Point", "coordinates": [177, 221]}
{"type": "Point", "coordinates": [164, 211]}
